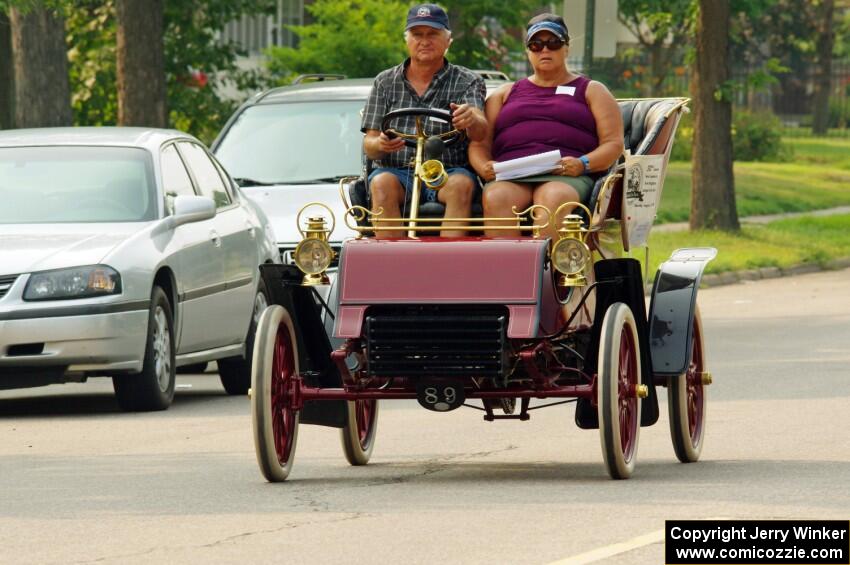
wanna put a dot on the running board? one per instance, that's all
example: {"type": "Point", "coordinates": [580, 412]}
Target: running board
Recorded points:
{"type": "Point", "coordinates": [237, 350]}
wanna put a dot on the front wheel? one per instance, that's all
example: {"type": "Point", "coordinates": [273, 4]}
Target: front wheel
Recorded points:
{"type": "Point", "coordinates": [275, 422]}
{"type": "Point", "coordinates": [686, 400]}
{"type": "Point", "coordinates": [153, 388]}
{"type": "Point", "coordinates": [617, 390]}
{"type": "Point", "coordinates": [358, 435]}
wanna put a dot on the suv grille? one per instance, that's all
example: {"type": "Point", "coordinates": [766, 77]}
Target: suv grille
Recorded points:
{"type": "Point", "coordinates": [6, 282]}
{"type": "Point", "coordinates": [450, 341]}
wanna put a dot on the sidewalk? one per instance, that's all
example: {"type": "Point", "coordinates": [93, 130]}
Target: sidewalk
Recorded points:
{"type": "Point", "coordinates": [680, 226]}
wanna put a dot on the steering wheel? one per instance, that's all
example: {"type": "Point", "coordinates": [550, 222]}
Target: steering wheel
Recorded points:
{"type": "Point", "coordinates": [449, 138]}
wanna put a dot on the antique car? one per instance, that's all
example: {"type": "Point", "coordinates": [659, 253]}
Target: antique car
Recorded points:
{"type": "Point", "coordinates": [125, 253]}
{"type": "Point", "coordinates": [443, 321]}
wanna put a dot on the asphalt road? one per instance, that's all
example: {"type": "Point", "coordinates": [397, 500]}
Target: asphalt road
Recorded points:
{"type": "Point", "coordinates": [81, 482]}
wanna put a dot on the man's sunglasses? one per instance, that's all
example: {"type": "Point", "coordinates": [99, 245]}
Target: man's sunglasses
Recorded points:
{"type": "Point", "coordinates": [537, 45]}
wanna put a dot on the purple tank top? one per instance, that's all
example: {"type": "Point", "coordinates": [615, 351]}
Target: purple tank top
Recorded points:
{"type": "Point", "coordinates": [535, 119]}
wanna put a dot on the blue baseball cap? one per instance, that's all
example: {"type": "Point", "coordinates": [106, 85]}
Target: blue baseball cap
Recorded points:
{"type": "Point", "coordinates": [429, 15]}
{"type": "Point", "coordinates": [547, 22]}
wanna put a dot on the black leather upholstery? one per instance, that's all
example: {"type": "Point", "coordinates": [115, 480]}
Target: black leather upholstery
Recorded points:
{"type": "Point", "coordinates": [635, 126]}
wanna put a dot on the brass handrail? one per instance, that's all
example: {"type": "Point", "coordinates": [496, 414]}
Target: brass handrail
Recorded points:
{"type": "Point", "coordinates": [536, 212]}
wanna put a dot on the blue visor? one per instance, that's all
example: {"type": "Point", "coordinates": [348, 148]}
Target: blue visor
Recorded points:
{"type": "Point", "coordinates": [559, 31]}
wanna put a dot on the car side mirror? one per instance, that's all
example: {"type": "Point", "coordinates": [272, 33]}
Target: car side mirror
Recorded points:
{"type": "Point", "coordinates": [189, 209]}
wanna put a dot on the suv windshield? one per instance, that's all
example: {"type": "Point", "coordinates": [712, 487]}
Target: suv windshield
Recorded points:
{"type": "Point", "coordinates": [294, 143]}
{"type": "Point", "coordinates": [75, 184]}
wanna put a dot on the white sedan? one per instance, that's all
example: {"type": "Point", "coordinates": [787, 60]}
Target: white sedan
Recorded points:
{"type": "Point", "coordinates": [125, 252]}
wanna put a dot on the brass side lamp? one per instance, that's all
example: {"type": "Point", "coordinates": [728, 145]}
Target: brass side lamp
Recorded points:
{"type": "Point", "coordinates": [314, 255]}
{"type": "Point", "coordinates": [570, 254]}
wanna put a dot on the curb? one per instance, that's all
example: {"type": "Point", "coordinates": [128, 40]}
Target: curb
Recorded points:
{"type": "Point", "coordinates": [748, 275]}
{"type": "Point", "coordinates": [733, 277]}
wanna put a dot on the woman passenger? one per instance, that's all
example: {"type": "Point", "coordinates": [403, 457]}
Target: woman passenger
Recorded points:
{"type": "Point", "coordinates": [552, 109]}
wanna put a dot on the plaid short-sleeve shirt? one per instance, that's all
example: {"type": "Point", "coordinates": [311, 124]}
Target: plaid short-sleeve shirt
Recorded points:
{"type": "Point", "coordinates": [392, 91]}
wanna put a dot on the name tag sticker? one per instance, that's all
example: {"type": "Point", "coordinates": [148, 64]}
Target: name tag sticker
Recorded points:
{"type": "Point", "coordinates": [570, 90]}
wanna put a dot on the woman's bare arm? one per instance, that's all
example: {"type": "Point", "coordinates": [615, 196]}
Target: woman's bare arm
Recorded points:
{"type": "Point", "coordinates": [609, 127]}
{"type": "Point", "coordinates": [480, 152]}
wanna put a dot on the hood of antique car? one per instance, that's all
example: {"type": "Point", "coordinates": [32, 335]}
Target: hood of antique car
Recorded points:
{"type": "Point", "coordinates": [442, 271]}
{"type": "Point", "coordinates": [40, 247]}
{"type": "Point", "coordinates": [281, 203]}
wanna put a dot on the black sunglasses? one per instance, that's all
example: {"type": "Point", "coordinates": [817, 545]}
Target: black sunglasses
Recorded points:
{"type": "Point", "coordinates": [537, 45]}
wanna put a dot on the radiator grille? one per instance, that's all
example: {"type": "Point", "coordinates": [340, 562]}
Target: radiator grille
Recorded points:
{"type": "Point", "coordinates": [436, 341]}
{"type": "Point", "coordinates": [6, 282]}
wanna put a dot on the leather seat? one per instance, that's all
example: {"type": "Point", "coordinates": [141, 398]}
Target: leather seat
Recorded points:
{"type": "Point", "coordinates": [647, 130]}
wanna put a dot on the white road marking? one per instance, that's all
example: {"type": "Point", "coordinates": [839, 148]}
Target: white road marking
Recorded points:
{"type": "Point", "coordinates": [613, 549]}
{"type": "Point", "coordinates": [600, 553]}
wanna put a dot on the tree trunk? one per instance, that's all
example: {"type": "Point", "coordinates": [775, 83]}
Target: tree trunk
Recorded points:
{"type": "Point", "coordinates": [42, 91]}
{"type": "Point", "coordinates": [823, 71]}
{"type": "Point", "coordinates": [659, 61]}
{"type": "Point", "coordinates": [713, 195]}
{"type": "Point", "coordinates": [7, 75]}
{"type": "Point", "coordinates": [141, 63]}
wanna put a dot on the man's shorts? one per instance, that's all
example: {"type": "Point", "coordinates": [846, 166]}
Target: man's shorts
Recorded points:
{"type": "Point", "coordinates": [405, 177]}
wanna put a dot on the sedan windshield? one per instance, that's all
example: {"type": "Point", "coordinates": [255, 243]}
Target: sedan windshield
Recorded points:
{"type": "Point", "coordinates": [62, 184]}
{"type": "Point", "coordinates": [294, 143]}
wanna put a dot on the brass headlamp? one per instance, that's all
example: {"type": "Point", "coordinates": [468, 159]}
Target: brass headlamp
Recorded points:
{"type": "Point", "coordinates": [314, 255]}
{"type": "Point", "coordinates": [570, 254]}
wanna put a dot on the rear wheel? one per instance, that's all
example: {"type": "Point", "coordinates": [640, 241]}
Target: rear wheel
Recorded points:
{"type": "Point", "coordinates": [235, 372]}
{"type": "Point", "coordinates": [686, 401]}
{"type": "Point", "coordinates": [358, 435]}
{"type": "Point", "coordinates": [617, 384]}
{"type": "Point", "coordinates": [275, 422]}
{"type": "Point", "coordinates": [153, 388]}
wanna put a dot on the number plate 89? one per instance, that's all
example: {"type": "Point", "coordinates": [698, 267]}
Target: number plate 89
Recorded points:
{"type": "Point", "coordinates": [440, 396]}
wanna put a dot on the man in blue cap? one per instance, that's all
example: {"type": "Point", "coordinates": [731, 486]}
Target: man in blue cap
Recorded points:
{"type": "Point", "coordinates": [424, 80]}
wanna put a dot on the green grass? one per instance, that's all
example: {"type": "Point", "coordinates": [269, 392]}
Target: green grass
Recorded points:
{"type": "Point", "coordinates": [817, 177]}
{"type": "Point", "coordinates": [782, 243]}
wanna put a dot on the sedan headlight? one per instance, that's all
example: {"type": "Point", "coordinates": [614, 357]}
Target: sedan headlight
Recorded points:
{"type": "Point", "coordinates": [570, 256]}
{"type": "Point", "coordinates": [78, 282]}
{"type": "Point", "coordinates": [313, 256]}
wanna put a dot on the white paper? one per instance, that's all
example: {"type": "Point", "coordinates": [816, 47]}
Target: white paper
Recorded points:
{"type": "Point", "coordinates": [642, 182]}
{"type": "Point", "coordinates": [571, 90]}
{"type": "Point", "coordinates": [527, 166]}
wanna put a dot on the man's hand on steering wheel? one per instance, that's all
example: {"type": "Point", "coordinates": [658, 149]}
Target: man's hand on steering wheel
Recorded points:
{"type": "Point", "coordinates": [390, 145]}
{"type": "Point", "coordinates": [463, 116]}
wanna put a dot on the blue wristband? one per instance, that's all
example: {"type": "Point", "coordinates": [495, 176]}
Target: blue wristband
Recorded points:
{"type": "Point", "coordinates": [584, 159]}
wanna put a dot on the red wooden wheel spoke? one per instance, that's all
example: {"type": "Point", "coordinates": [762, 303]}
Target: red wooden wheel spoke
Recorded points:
{"type": "Point", "coordinates": [627, 377]}
{"type": "Point", "coordinates": [363, 412]}
{"type": "Point", "coordinates": [283, 417]}
{"type": "Point", "coordinates": [695, 397]}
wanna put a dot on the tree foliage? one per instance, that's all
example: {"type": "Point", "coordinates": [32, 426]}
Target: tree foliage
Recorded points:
{"type": "Point", "coordinates": [661, 27]}
{"type": "Point", "coordinates": [197, 64]}
{"type": "Point", "coordinates": [91, 57]}
{"type": "Point", "coordinates": [357, 38]}
{"type": "Point", "coordinates": [360, 38]}
{"type": "Point", "coordinates": [480, 31]}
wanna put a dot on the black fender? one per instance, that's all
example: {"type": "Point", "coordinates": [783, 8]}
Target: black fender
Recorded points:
{"type": "Point", "coordinates": [619, 280]}
{"type": "Point", "coordinates": [307, 307]}
{"type": "Point", "coordinates": [671, 311]}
